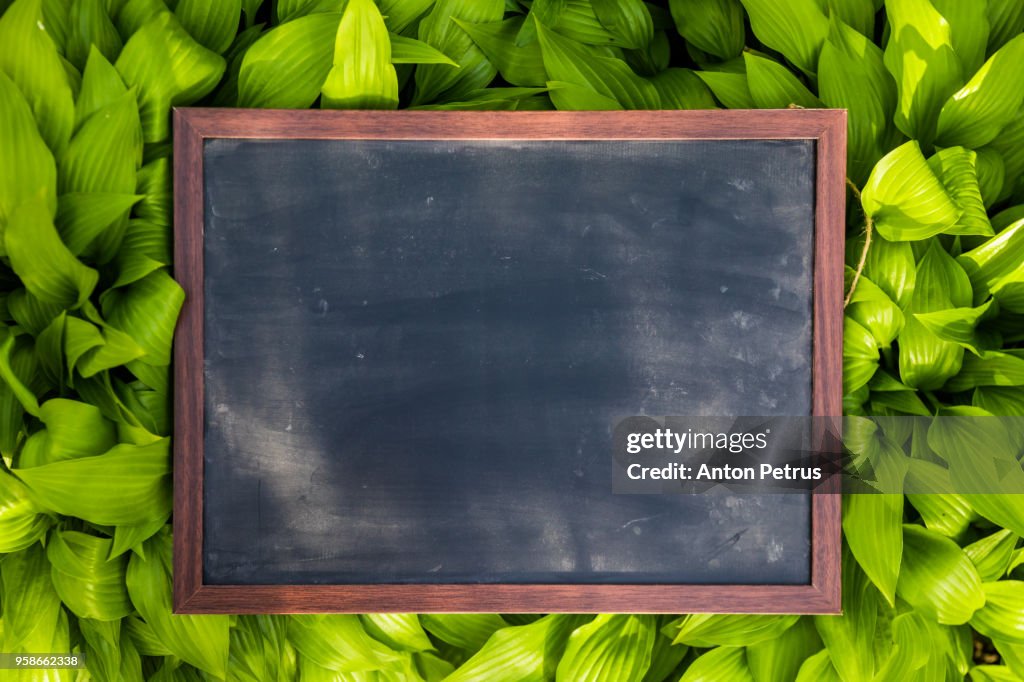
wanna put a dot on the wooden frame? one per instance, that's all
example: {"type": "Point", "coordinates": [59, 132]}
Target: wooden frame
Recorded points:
{"type": "Point", "coordinates": [192, 126]}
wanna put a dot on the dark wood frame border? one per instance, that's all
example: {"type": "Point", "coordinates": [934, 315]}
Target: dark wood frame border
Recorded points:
{"type": "Point", "coordinates": [193, 126]}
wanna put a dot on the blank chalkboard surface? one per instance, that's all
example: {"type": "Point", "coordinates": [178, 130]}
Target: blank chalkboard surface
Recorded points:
{"type": "Point", "coordinates": [409, 338]}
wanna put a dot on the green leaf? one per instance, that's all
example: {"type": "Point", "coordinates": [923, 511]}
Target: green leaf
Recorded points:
{"type": "Point", "coordinates": [577, 21]}
{"type": "Point", "coordinates": [999, 401]}
{"type": "Point", "coordinates": [27, 168]}
{"type": "Point", "coordinates": [921, 58]}
{"type": "Point", "coordinates": [523, 66]}
{"type": "Point", "coordinates": [857, 14]}
{"type": "Point", "coordinates": [976, 113]}
{"type": "Point", "coordinates": [464, 630]}
{"type": "Point", "coordinates": [682, 89]}
{"type": "Point", "coordinates": [201, 641]}
{"type": "Point", "coordinates": [91, 29]}
{"type": "Point", "coordinates": [996, 258]}
{"type": "Point", "coordinates": [127, 485]}
{"type": "Point", "coordinates": [1006, 21]}
{"type": "Point", "coordinates": [991, 175]}
{"type": "Point", "coordinates": [22, 522]}
{"type": "Point", "coordinates": [781, 658]}
{"type": "Point", "coordinates": [852, 75]}
{"type": "Point", "coordinates": [288, 65]}
{"type": "Point", "coordinates": [569, 62]}
{"type": "Point", "coordinates": [848, 639]}
{"type": "Point", "coordinates": [75, 429]}
{"type": "Point", "coordinates": [715, 27]}
{"type": "Point", "coordinates": [872, 308]}
{"type": "Point", "coordinates": [212, 24]}
{"type": "Point", "coordinates": [959, 325]}
{"type": "Point", "coordinates": [411, 51]}
{"type": "Point", "coordinates": [938, 578]}
{"type": "Point", "coordinates": [872, 525]}
{"type": "Point", "coordinates": [705, 629]}
{"type": "Point", "coordinates": [860, 355]}
{"type": "Point", "coordinates": [797, 29]}
{"type": "Point", "coordinates": [260, 650]}
{"type": "Point", "coordinates": [956, 168]}
{"type": "Point", "coordinates": [946, 513]}
{"type": "Point", "coordinates": [818, 668]}
{"type": "Point", "coordinates": [1002, 616]}
{"type": "Point", "coordinates": [518, 654]}
{"type": "Point", "coordinates": [773, 86]}
{"type": "Point", "coordinates": [101, 86]}
{"type": "Point", "coordinates": [83, 216]}
{"type": "Point", "coordinates": [18, 368]}
{"type": "Point", "coordinates": [400, 631]}
{"type": "Point", "coordinates": [721, 664]}
{"type": "Point", "coordinates": [905, 198]}
{"type": "Point", "coordinates": [167, 68]}
{"type": "Point", "coordinates": [362, 76]}
{"type": "Point", "coordinates": [993, 673]}
{"type": "Point", "coordinates": [48, 269]}
{"type": "Point", "coordinates": [627, 20]}
{"type": "Point", "coordinates": [440, 31]}
{"type": "Point", "coordinates": [610, 647]}
{"type": "Point", "coordinates": [892, 266]}
{"type": "Point", "coordinates": [147, 311]}
{"type": "Point", "coordinates": [31, 607]}
{"type": "Point", "coordinates": [89, 584]}
{"type": "Point", "coordinates": [729, 88]}
{"type": "Point", "coordinates": [992, 554]}
{"type": "Point", "coordinates": [338, 642]}
{"type": "Point", "coordinates": [145, 249]}
{"type": "Point", "coordinates": [399, 14]}
{"type": "Point", "coordinates": [30, 59]}
{"type": "Point", "coordinates": [991, 369]}
{"type": "Point", "coordinates": [1009, 144]}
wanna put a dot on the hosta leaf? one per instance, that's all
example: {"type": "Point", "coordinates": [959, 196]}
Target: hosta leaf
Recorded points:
{"type": "Point", "coordinates": [167, 68]}
{"type": "Point", "coordinates": [976, 113]}
{"type": "Point", "coordinates": [515, 654]}
{"type": "Point", "coordinates": [874, 310]}
{"type": "Point", "coordinates": [968, 27]}
{"type": "Point", "coordinates": [610, 647]}
{"type": "Point", "coordinates": [147, 311]}
{"type": "Point", "coordinates": [48, 269]}
{"type": "Point", "coordinates": [892, 266]}
{"type": "Point", "coordinates": [857, 14]}
{"type": "Point", "coordinates": [1000, 401]}
{"type": "Point", "coordinates": [1005, 19]}
{"type": "Point", "coordinates": [128, 484]}
{"type": "Point", "coordinates": [781, 658]}
{"type": "Point", "coordinates": [29, 58]}
{"type": "Point", "coordinates": [546, 12]}
{"type": "Point", "coordinates": [440, 31]}
{"type": "Point", "coordinates": [287, 66]}
{"type": "Point", "coordinates": [83, 216]}
{"type": "Point", "coordinates": [75, 429]}
{"type": "Point", "coordinates": [401, 631]}
{"type": "Point", "coordinates": [289, 10]}
{"type": "Point", "coordinates": [993, 673]}
{"type": "Point", "coordinates": [22, 522]}
{"type": "Point", "coordinates": [991, 369]}
{"type": "Point", "coordinates": [1009, 144]}
{"type": "Point", "coordinates": [31, 607]}
{"type": "Point", "coordinates": [992, 554]}
{"type": "Point", "coordinates": [938, 578]}
{"type": "Point", "coordinates": [665, 656]}
{"type": "Point", "coordinates": [1002, 616]}
{"type": "Point", "coordinates": [946, 513]}
{"type": "Point", "coordinates": [682, 89]}
{"type": "Point", "coordinates": [959, 325]}
{"type": "Point", "coordinates": [134, 14]}
{"type": "Point", "coordinates": [153, 182]}
{"type": "Point", "coordinates": [872, 526]}
{"type": "Point", "coordinates": [89, 584]}
{"type": "Point", "coordinates": [715, 27]}
{"type": "Point", "coordinates": [721, 664]}
{"type": "Point", "coordinates": [91, 29]}
{"type": "Point", "coordinates": [27, 168]}
{"type": "Point", "coordinates": [398, 14]}
{"type": "Point", "coordinates": [921, 58]}
{"type": "Point", "coordinates": [860, 355]}
{"type": "Point", "coordinates": [411, 51]}
{"type": "Point", "coordinates": [145, 249]}
{"type": "Point", "coordinates": [362, 76]}
{"type": "Point", "coordinates": [705, 630]}
{"type": "Point", "coordinates": [101, 86]}
{"type": "Point", "coordinates": [465, 630]}
{"type": "Point", "coordinates": [991, 175]}
{"type": "Point", "coordinates": [797, 29]}
{"type": "Point", "coordinates": [905, 198]}
{"type": "Point", "coordinates": [523, 65]}
{"type": "Point", "coordinates": [18, 369]}
{"type": "Point", "coordinates": [848, 639]}
{"type": "Point", "coordinates": [578, 22]}
{"type": "Point", "coordinates": [818, 668]}
{"type": "Point", "coordinates": [956, 168]}
{"type": "Point", "coordinates": [202, 641]}
{"type": "Point", "coordinates": [729, 88]}
{"type": "Point", "coordinates": [627, 20]}
{"type": "Point", "coordinates": [106, 151]}
{"type": "Point", "coordinates": [260, 651]}
{"type": "Point", "coordinates": [339, 642]}
{"type": "Point", "coordinates": [569, 62]}
{"type": "Point", "coordinates": [212, 24]}
{"type": "Point", "coordinates": [852, 75]}
{"type": "Point", "coordinates": [996, 258]}
{"type": "Point", "coordinates": [773, 86]}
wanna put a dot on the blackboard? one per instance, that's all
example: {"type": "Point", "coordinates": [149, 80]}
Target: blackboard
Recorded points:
{"type": "Point", "coordinates": [409, 335]}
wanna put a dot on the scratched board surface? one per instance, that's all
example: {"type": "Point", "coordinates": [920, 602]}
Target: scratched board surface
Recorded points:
{"type": "Point", "coordinates": [416, 353]}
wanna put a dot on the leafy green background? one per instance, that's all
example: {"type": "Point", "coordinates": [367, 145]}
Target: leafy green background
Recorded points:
{"type": "Point", "coordinates": [932, 584]}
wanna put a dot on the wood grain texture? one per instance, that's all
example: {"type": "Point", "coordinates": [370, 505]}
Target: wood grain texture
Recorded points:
{"type": "Point", "coordinates": [193, 126]}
